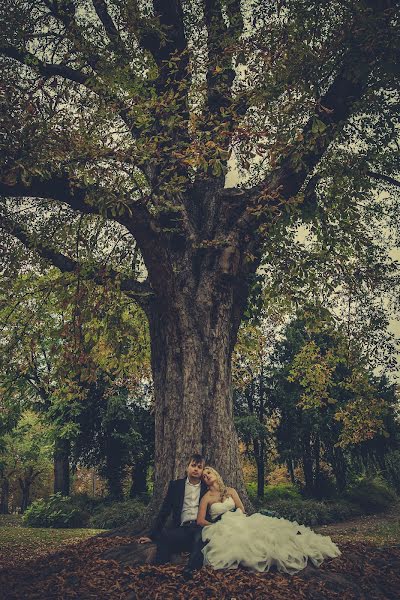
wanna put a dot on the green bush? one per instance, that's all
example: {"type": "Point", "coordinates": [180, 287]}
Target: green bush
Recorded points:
{"type": "Point", "coordinates": [371, 494]}
{"type": "Point", "coordinates": [312, 512]}
{"type": "Point", "coordinates": [281, 491]}
{"type": "Point", "coordinates": [116, 515]}
{"type": "Point", "coordinates": [56, 511]}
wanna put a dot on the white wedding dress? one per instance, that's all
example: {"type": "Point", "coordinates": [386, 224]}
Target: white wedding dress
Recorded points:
{"type": "Point", "coordinates": [259, 542]}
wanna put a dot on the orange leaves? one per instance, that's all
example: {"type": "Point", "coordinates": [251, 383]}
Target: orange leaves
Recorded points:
{"type": "Point", "coordinates": [80, 571]}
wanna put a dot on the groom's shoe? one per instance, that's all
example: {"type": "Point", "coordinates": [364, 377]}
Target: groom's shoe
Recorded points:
{"type": "Point", "coordinates": [187, 574]}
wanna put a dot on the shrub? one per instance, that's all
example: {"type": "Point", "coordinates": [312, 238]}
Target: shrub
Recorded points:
{"type": "Point", "coordinates": [56, 511]}
{"type": "Point", "coordinates": [371, 494]}
{"type": "Point", "coordinates": [116, 515]}
{"type": "Point", "coordinates": [312, 512]}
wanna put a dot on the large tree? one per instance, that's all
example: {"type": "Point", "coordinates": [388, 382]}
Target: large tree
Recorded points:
{"type": "Point", "coordinates": [131, 110]}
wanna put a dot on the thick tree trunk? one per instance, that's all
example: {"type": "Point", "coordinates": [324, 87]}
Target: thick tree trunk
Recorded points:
{"type": "Point", "coordinates": [61, 467]}
{"type": "Point", "coordinates": [192, 339]}
{"type": "Point", "coordinates": [199, 294]}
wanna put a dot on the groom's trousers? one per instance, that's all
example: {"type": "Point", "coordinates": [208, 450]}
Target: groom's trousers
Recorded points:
{"type": "Point", "coordinates": [186, 538]}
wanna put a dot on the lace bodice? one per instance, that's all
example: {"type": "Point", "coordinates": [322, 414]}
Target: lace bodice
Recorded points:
{"type": "Point", "coordinates": [219, 508]}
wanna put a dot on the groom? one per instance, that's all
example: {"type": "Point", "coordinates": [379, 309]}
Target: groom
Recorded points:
{"type": "Point", "coordinates": [182, 499]}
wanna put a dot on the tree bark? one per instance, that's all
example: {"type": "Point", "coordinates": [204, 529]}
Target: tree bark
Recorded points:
{"type": "Point", "coordinates": [61, 467]}
{"type": "Point", "coordinates": [193, 329]}
{"type": "Point", "coordinates": [193, 396]}
{"type": "Point", "coordinates": [339, 468]}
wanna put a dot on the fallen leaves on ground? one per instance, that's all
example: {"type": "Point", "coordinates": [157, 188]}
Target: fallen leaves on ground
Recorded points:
{"type": "Point", "coordinates": [80, 572]}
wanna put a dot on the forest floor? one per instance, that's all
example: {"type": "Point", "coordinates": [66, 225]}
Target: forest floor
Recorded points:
{"type": "Point", "coordinates": [39, 564]}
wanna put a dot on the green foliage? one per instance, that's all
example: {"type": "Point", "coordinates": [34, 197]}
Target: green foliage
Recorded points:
{"type": "Point", "coordinates": [56, 511]}
{"type": "Point", "coordinates": [371, 494]}
{"type": "Point", "coordinates": [116, 514]}
{"type": "Point", "coordinates": [249, 427]}
{"type": "Point", "coordinates": [312, 512]}
{"type": "Point", "coordinates": [280, 491]}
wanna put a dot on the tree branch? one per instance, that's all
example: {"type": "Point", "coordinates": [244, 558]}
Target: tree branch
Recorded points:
{"type": "Point", "coordinates": [333, 109]}
{"type": "Point", "coordinates": [91, 82]}
{"type": "Point", "coordinates": [112, 32]}
{"type": "Point", "coordinates": [64, 12]}
{"type": "Point", "coordinates": [235, 18]}
{"type": "Point", "coordinates": [139, 222]}
{"type": "Point", "coordinates": [382, 177]}
{"type": "Point", "coordinates": [170, 17]}
{"type": "Point", "coordinates": [47, 69]}
{"type": "Point", "coordinates": [58, 188]}
{"type": "Point", "coordinates": [140, 291]}
{"type": "Point", "coordinates": [220, 74]}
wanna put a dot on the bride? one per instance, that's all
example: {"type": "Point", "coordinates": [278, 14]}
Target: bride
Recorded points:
{"type": "Point", "coordinates": [257, 542]}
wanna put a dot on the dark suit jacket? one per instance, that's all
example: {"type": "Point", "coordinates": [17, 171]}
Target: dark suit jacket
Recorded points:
{"type": "Point", "coordinates": [173, 502]}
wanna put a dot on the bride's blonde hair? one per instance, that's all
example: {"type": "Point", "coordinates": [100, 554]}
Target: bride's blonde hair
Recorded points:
{"type": "Point", "coordinates": [223, 490]}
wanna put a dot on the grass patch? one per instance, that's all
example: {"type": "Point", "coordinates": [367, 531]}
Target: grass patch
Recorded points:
{"type": "Point", "coordinates": [377, 530]}
{"type": "Point", "coordinates": [27, 542]}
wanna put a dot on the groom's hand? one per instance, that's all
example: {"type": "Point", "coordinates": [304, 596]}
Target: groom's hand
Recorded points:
{"type": "Point", "coordinates": [144, 540]}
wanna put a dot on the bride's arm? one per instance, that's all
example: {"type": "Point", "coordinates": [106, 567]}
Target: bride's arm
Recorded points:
{"type": "Point", "coordinates": [201, 515]}
{"type": "Point", "coordinates": [236, 499]}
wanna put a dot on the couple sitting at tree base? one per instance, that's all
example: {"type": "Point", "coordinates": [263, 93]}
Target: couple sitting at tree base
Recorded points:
{"type": "Point", "coordinates": [209, 521]}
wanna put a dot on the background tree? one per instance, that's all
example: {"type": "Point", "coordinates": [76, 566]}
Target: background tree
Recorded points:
{"type": "Point", "coordinates": [64, 364]}
{"type": "Point", "coordinates": [132, 111]}
{"type": "Point", "coordinates": [327, 405]}
{"type": "Point", "coordinates": [25, 458]}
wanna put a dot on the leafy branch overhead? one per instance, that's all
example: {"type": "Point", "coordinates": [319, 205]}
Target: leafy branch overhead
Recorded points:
{"type": "Point", "coordinates": [138, 112]}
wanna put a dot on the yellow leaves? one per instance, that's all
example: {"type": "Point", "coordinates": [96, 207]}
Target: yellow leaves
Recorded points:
{"type": "Point", "coordinates": [362, 420]}
{"type": "Point", "coordinates": [314, 372]}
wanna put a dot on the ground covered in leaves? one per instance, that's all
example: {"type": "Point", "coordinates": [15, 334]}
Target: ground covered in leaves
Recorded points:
{"type": "Point", "coordinates": [79, 571]}
{"type": "Point", "coordinates": [369, 568]}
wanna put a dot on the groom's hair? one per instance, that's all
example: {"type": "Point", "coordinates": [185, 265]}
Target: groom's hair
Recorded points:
{"type": "Point", "coordinates": [196, 457]}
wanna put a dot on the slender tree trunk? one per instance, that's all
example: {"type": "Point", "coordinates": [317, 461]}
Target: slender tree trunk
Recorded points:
{"type": "Point", "coordinates": [4, 496]}
{"type": "Point", "coordinates": [113, 472]}
{"type": "Point", "coordinates": [139, 478]}
{"type": "Point", "coordinates": [261, 445]}
{"type": "Point", "coordinates": [25, 486]}
{"type": "Point", "coordinates": [61, 467]}
{"type": "Point", "coordinates": [308, 466]}
{"type": "Point", "coordinates": [289, 465]}
{"type": "Point", "coordinates": [317, 469]}
{"type": "Point", "coordinates": [260, 468]}
{"type": "Point", "coordinates": [339, 469]}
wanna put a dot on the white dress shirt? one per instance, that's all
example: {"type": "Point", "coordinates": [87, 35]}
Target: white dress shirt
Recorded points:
{"type": "Point", "coordinates": [191, 501]}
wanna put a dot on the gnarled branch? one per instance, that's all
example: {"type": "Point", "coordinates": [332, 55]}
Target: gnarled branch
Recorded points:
{"type": "Point", "coordinates": [140, 291]}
